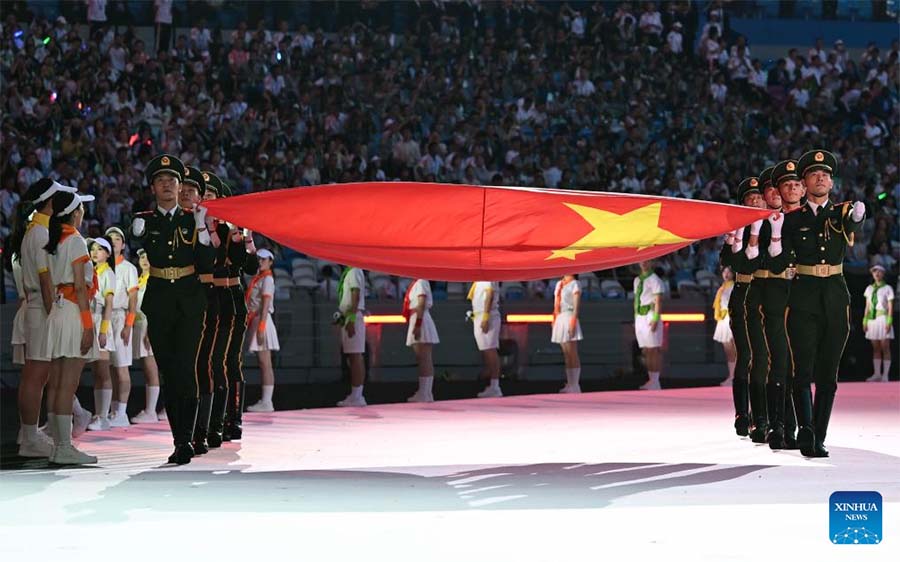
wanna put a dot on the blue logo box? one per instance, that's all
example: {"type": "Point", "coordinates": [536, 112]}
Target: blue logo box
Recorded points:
{"type": "Point", "coordinates": [855, 518]}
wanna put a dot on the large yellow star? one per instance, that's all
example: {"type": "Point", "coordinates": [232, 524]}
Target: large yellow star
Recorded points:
{"type": "Point", "coordinates": [635, 229]}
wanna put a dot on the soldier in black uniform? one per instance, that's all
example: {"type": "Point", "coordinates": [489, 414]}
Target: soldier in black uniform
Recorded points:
{"type": "Point", "coordinates": [733, 255]}
{"type": "Point", "coordinates": [177, 243]}
{"type": "Point", "coordinates": [818, 319]}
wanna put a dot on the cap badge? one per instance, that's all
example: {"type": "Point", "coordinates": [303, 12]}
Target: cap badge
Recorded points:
{"type": "Point", "coordinates": [791, 167]}
{"type": "Point", "coordinates": [820, 157]}
{"type": "Point", "coordinates": [164, 161]}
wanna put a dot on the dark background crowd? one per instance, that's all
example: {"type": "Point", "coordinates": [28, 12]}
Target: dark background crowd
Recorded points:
{"type": "Point", "coordinates": [661, 99]}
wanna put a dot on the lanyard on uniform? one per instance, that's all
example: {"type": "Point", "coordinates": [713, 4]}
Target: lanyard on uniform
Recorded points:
{"type": "Point", "coordinates": [640, 291]}
{"type": "Point", "coordinates": [875, 288]}
{"type": "Point", "coordinates": [341, 285]}
{"type": "Point", "coordinates": [256, 279]}
{"type": "Point", "coordinates": [719, 312]}
{"type": "Point", "coordinates": [407, 306]}
{"type": "Point", "coordinates": [557, 302]}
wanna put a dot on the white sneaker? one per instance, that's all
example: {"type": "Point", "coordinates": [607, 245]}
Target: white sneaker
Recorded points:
{"type": "Point", "coordinates": [47, 430]}
{"type": "Point", "coordinates": [874, 378]}
{"type": "Point", "coordinates": [884, 378]}
{"type": "Point", "coordinates": [651, 385]}
{"type": "Point", "coordinates": [37, 448]}
{"type": "Point", "coordinates": [261, 407]}
{"type": "Point", "coordinates": [119, 421]}
{"type": "Point", "coordinates": [68, 454]}
{"type": "Point", "coordinates": [727, 382]}
{"type": "Point", "coordinates": [576, 389]}
{"type": "Point", "coordinates": [419, 396]}
{"type": "Point", "coordinates": [491, 392]}
{"type": "Point", "coordinates": [351, 402]}
{"type": "Point", "coordinates": [161, 416]}
{"type": "Point", "coordinates": [145, 417]}
{"type": "Point", "coordinates": [98, 424]}
{"type": "Point", "coordinates": [80, 423]}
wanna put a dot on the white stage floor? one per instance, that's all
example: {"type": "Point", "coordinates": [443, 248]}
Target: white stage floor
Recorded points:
{"type": "Point", "coordinates": [612, 475]}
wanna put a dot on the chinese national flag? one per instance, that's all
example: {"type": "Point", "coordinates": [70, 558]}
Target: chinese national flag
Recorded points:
{"type": "Point", "coordinates": [457, 232]}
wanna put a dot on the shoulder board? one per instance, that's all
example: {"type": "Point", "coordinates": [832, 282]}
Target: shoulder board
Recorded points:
{"type": "Point", "coordinates": [143, 214]}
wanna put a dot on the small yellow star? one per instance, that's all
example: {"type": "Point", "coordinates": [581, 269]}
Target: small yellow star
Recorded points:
{"type": "Point", "coordinates": [635, 229]}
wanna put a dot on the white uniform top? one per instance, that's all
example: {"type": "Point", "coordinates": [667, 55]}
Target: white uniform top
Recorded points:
{"type": "Point", "coordinates": [107, 281]}
{"type": "Point", "coordinates": [355, 279]}
{"type": "Point", "coordinates": [17, 277]}
{"type": "Point", "coordinates": [567, 294]}
{"type": "Point", "coordinates": [126, 282]}
{"type": "Point", "coordinates": [883, 297]}
{"type": "Point", "coordinates": [70, 251]}
{"type": "Point", "coordinates": [726, 296]}
{"type": "Point", "coordinates": [420, 288]}
{"type": "Point", "coordinates": [264, 286]}
{"type": "Point", "coordinates": [35, 259]}
{"type": "Point", "coordinates": [653, 286]}
{"type": "Point", "coordinates": [478, 292]}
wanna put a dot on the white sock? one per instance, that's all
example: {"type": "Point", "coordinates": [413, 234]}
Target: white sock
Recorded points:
{"type": "Point", "coordinates": [876, 365]}
{"type": "Point", "coordinates": [731, 365]}
{"type": "Point", "coordinates": [886, 369]}
{"type": "Point", "coordinates": [654, 376]}
{"type": "Point", "coordinates": [495, 384]}
{"type": "Point", "coordinates": [152, 398]}
{"type": "Point", "coordinates": [29, 432]}
{"type": "Point", "coordinates": [76, 407]}
{"type": "Point", "coordinates": [356, 391]}
{"type": "Point", "coordinates": [120, 410]}
{"type": "Point", "coordinates": [573, 375]}
{"type": "Point", "coordinates": [63, 429]}
{"type": "Point", "coordinates": [51, 423]}
{"type": "Point", "coordinates": [267, 393]}
{"type": "Point", "coordinates": [105, 400]}
{"type": "Point", "coordinates": [114, 407]}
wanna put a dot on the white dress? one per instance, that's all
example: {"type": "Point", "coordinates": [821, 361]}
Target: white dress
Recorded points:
{"type": "Point", "coordinates": [723, 332]}
{"type": "Point", "coordinates": [642, 322]}
{"type": "Point", "coordinates": [877, 329]}
{"type": "Point", "coordinates": [262, 284]}
{"type": "Point", "coordinates": [126, 284]}
{"type": "Point", "coordinates": [429, 334]}
{"type": "Point", "coordinates": [17, 338]}
{"type": "Point", "coordinates": [561, 332]}
{"type": "Point", "coordinates": [64, 321]}
{"type": "Point", "coordinates": [355, 279]}
{"type": "Point", "coordinates": [35, 261]}
{"type": "Point", "coordinates": [478, 292]}
{"type": "Point", "coordinates": [107, 279]}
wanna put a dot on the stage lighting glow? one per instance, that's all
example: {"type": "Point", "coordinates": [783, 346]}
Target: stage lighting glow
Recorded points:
{"type": "Point", "coordinates": [548, 318]}
{"type": "Point", "coordinates": [385, 319]}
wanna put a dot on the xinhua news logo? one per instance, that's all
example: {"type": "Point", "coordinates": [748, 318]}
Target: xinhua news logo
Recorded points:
{"type": "Point", "coordinates": [855, 518]}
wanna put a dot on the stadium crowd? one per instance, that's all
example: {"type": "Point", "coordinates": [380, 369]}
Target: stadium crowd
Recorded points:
{"type": "Point", "coordinates": [629, 97]}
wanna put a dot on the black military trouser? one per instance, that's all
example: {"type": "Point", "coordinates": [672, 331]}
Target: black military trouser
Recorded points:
{"type": "Point", "coordinates": [224, 334]}
{"type": "Point", "coordinates": [777, 292]}
{"type": "Point", "coordinates": [205, 375]}
{"type": "Point", "coordinates": [234, 359]}
{"type": "Point", "coordinates": [759, 367]}
{"type": "Point", "coordinates": [737, 313]}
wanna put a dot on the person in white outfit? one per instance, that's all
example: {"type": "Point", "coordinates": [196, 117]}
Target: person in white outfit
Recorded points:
{"type": "Point", "coordinates": [723, 333]}
{"type": "Point", "coordinates": [142, 350]}
{"type": "Point", "coordinates": [567, 329]}
{"type": "Point", "coordinates": [71, 338]}
{"type": "Point", "coordinates": [485, 297]}
{"type": "Point", "coordinates": [124, 314]}
{"type": "Point", "coordinates": [352, 308]}
{"type": "Point", "coordinates": [878, 323]}
{"type": "Point", "coordinates": [648, 291]}
{"type": "Point", "coordinates": [421, 335]}
{"type": "Point", "coordinates": [17, 337]}
{"type": "Point", "coordinates": [262, 334]}
{"type": "Point", "coordinates": [101, 308]}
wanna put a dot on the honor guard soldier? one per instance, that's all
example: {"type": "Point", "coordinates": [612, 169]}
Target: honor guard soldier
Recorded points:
{"type": "Point", "coordinates": [177, 243]}
{"type": "Point", "coordinates": [733, 256]}
{"type": "Point", "coordinates": [818, 319]}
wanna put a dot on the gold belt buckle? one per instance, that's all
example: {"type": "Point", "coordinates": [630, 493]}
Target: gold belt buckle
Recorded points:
{"type": "Point", "coordinates": [790, 272]}
{"type": "Point", "coordinates": [822, 269]}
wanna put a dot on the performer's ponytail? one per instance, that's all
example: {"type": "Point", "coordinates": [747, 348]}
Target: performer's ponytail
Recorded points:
{"type": "Point", "coordinates": [61, 200]}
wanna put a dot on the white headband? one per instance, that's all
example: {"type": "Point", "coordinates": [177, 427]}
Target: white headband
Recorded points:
{"type": "Point", "coordinates": [76, 201]}
{"type": "Point", "coordinates": [103, 243]}
{"type": "Point", "coordinates": [265, 254]}
{"type": "Point", "coordinates": [54, 187]}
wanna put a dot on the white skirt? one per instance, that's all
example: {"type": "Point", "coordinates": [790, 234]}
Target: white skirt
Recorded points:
{"type": "Point", "coordinates": [723, 331]}
{"type": "Point", "coordinates": [65, 332]}
{"type": "Point", "coordinates": [36, 331]}
{"type": "Point", "coordinates": [18, 336]}
{"type": "Point", "coordinates": [877, 330]}
{"type": "Point", "coordinates": [491, 339]}
{"type": "Point", "coordinates": [122, 353]}
{"type": "Point", "coordinates": [110, 337]}
{"type": "Point", "coordinates": [561, 328]}
{"type": "Point", "coordinates": [429, 330]}
{"type": "Point", "coordinates": [139, 347]}
{"type": "Point", "coordinates": [645, 336]}
{"type": "Point", "coordinates": [270, 341]}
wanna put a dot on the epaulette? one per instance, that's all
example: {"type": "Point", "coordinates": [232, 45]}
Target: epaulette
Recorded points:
{"type": "Point", "coordinates": [143, 214]}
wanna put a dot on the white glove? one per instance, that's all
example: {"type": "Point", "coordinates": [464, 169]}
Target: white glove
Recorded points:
{"type": "Point", "coordinates": [858, 211]}
{"type": "Point", "coordinates": [738, 243]}
{"type": "Point", "coordinates": [776, 221]}
{"type": "Point", "coordinates": [137, 227]}
{"type": "Point", "coordinates": [249, 245]}
{"type": "Point", "coordinates": [200, 216]}
{"type": "Point", "coordinates": [752, 252]}
{"type": "Point", "coordinates": [756, 227]}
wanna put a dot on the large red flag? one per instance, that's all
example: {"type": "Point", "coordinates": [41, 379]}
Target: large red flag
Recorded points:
{"type": "Point", "coordinates": [464, 233]}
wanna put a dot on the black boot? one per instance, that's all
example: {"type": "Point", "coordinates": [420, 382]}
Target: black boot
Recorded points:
{"type": "Point", "coordinates": [806, 436]}
{"type": "Point", "coordinates": [234, 420]}
{"type": "Point", "coordinates": [217, 417]}
{"type": "Point", "coordinates": [775, 398]}
{"type": "Point", "coordinates": [187, 417]}
{"type": "Point", "coordinates": [739, 393]}
{"type": "Point", "coordinates": [821, 416]}
{"type": "Point", "coordinates": [172, 411]}
{"type": "Point", "coordinates": [760, 415]}
{"type": "Point", "coordinates": [201, 428]}
{"type": "Point", "coordinates": [790, 421]}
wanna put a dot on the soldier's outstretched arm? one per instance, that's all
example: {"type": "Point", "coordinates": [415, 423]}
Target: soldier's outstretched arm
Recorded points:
{"type": "Point", "coordinates": [781, 248]}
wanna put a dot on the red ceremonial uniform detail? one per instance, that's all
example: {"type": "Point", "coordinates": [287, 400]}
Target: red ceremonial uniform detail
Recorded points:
{"type": "Point", "coordinates": [462, 233]}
